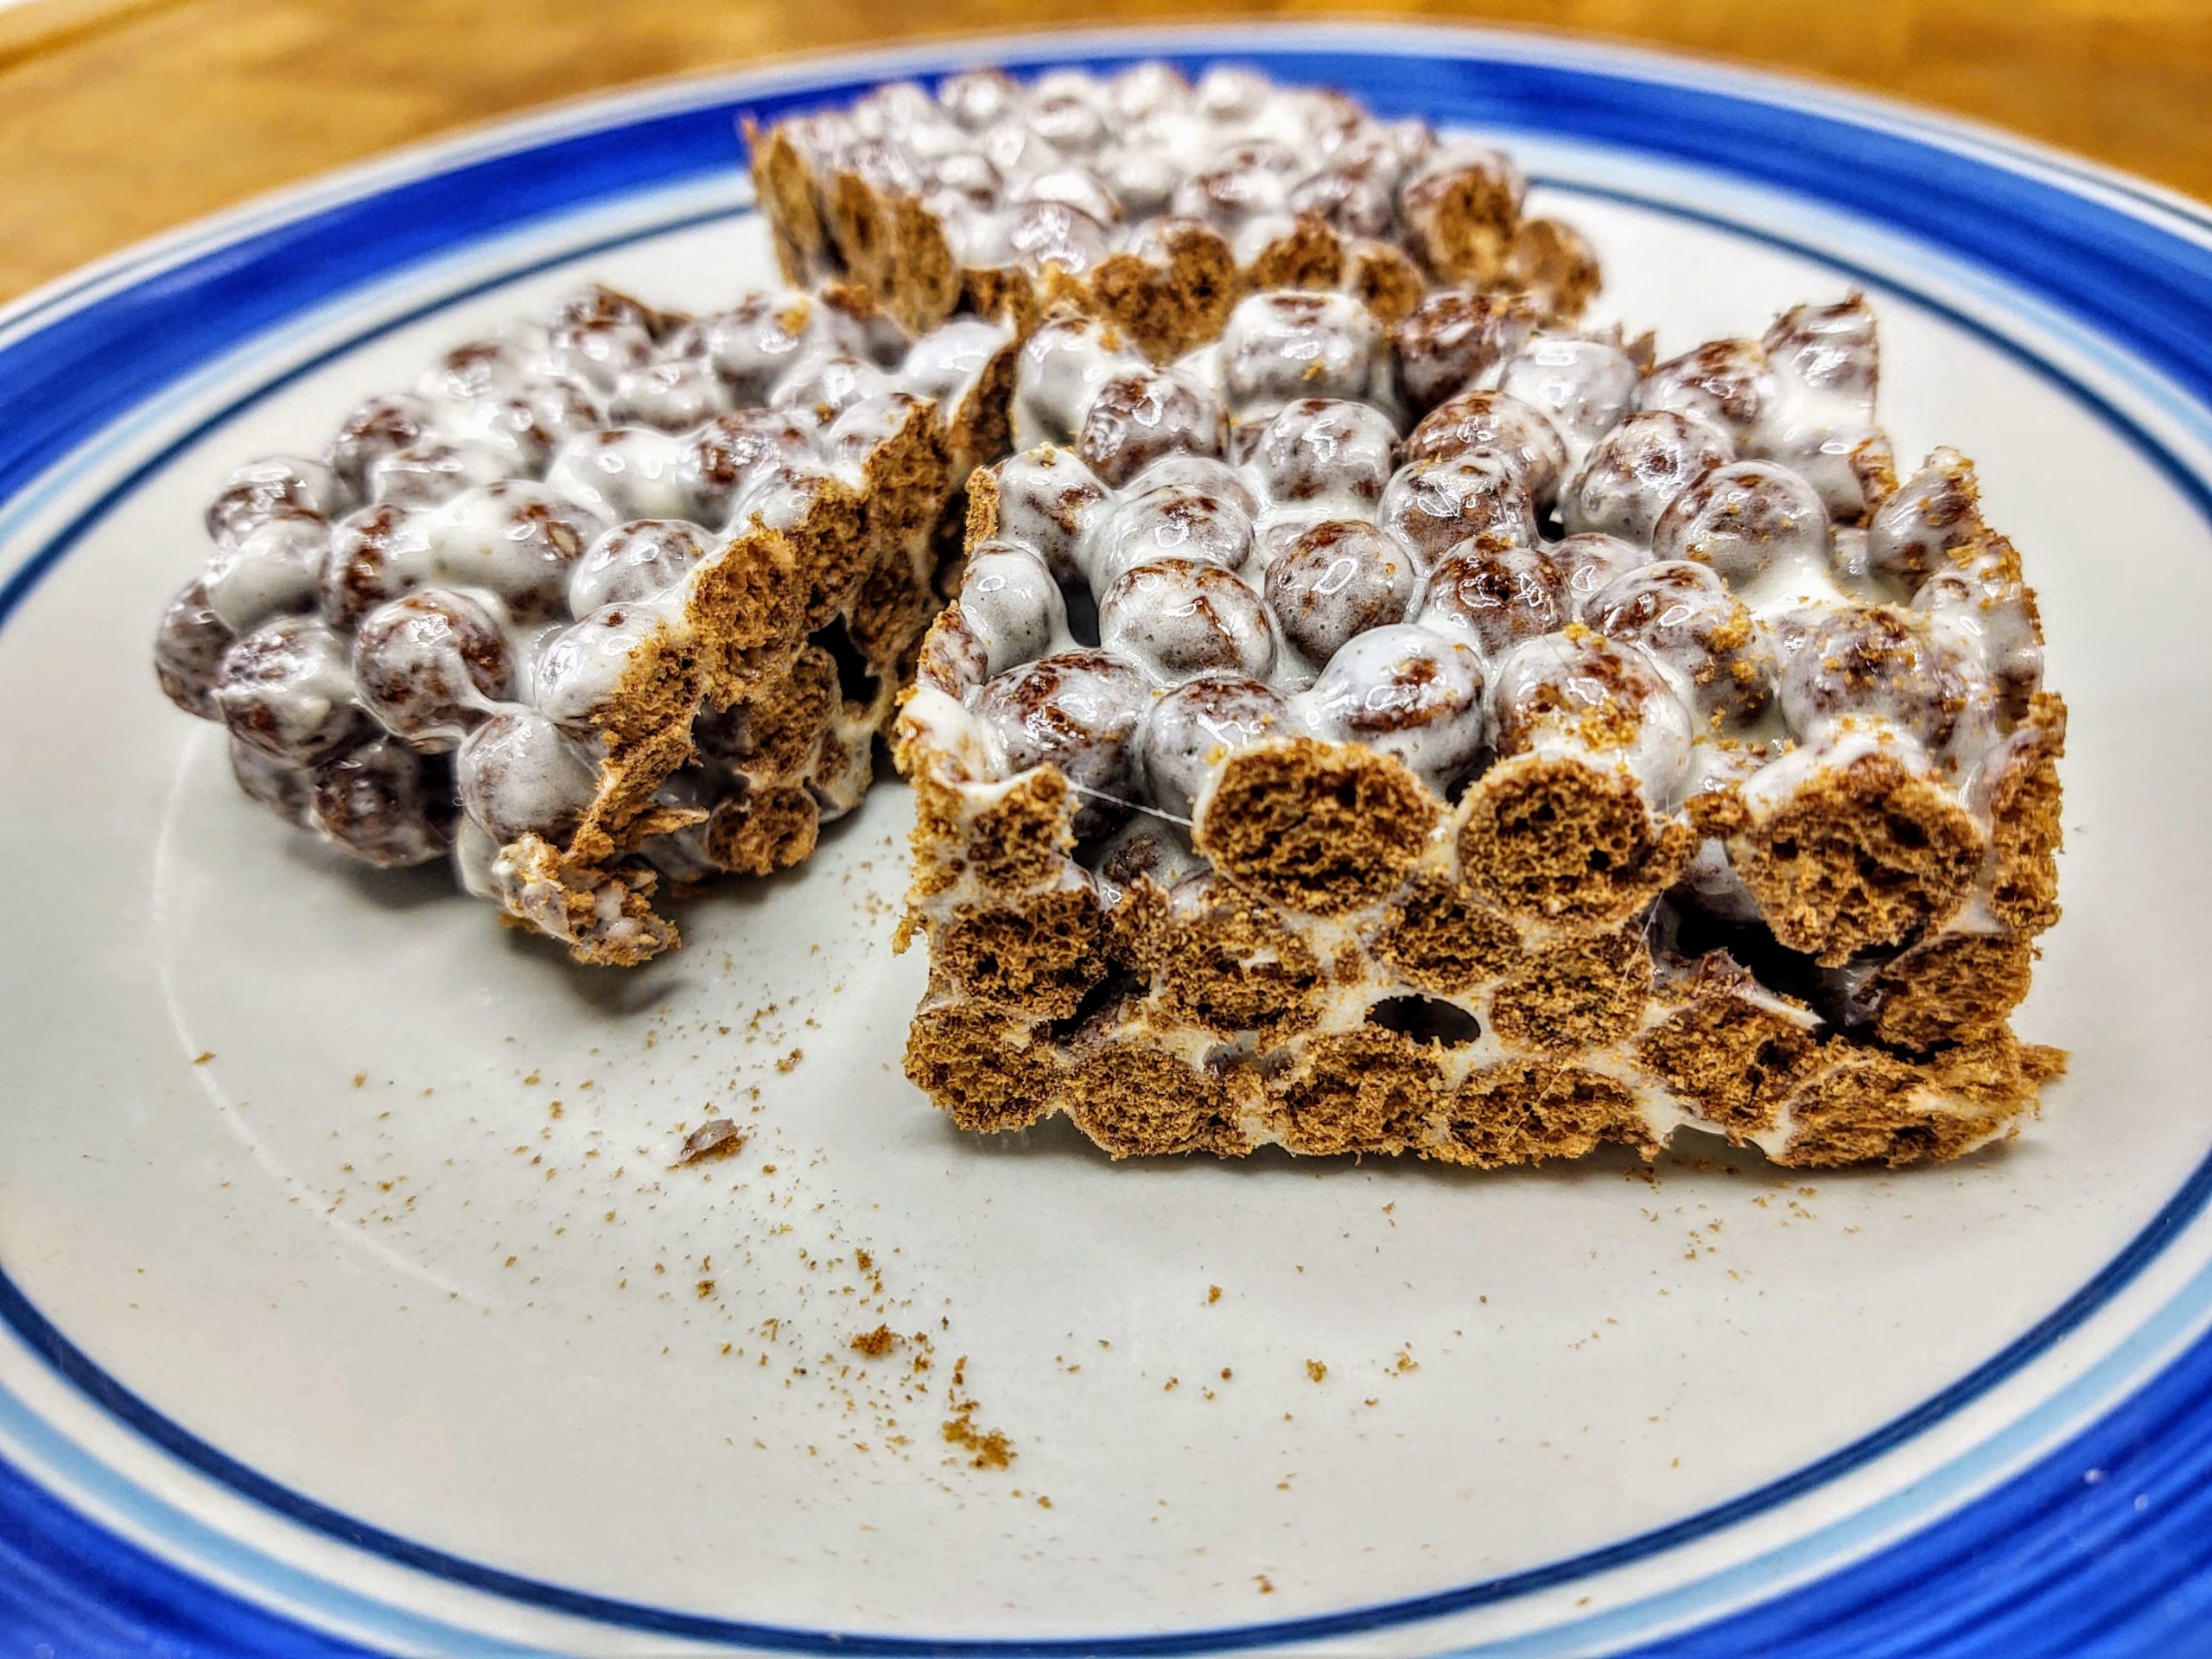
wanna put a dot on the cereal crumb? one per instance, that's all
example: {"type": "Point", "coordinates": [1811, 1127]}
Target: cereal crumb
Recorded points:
{"type": "Point", "coordinates": [1315, 1370]}
{"type": "Point", "coordinates": [203, 1056]}
{"type": "Point", "coordinates": [716, 1138]}
{"type": "Point", "coordinates": [875, 1344]}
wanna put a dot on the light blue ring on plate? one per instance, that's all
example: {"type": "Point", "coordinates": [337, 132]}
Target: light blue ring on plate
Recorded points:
{"type": "Point", "coordinates": [2146, 289]}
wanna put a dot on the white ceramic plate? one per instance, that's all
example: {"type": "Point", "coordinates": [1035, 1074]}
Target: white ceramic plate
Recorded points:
{"type": "Point", "coordinates": [352, 1300]}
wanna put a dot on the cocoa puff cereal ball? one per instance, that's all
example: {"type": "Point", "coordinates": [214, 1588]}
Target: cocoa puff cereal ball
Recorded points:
{"type": "Point", "coordinates": [1328, 454]}
{"type": "Point", "coordinates": [1682, 615]}
{"type": "Point", "coordinates": [1728, 384]}
{"type": "Point", "coordinates": [433, 471]}
{"type": "Point", "coordinates": [582, 669]}
{"type": "Point", "coordinates": [1452, 338]}
{"type": "Point", "coordinates": [1635, 472]}
{"type": "Point", "coordinates": [728, 456]}
{"type": "Point", "coordinates": [1077, 710]}
{"type": "Point", "coordinates": [639, 560]}
{"type": "Point", "coordinates": [1587, 563]}
{"type": "Point", "coordinates": [188, 648]}
{"type": "Point", "coordinates": [519, 541]}
{"type": "Point", "coordinates": [1498, 424]}
{"type": "Point", "coordinates": [1882, 663]}
{"type": "Point", "coordinates": [1135, 418]}
{"type": "Point", "coordinates": [623, 472]}
{"type": "Point", "coordinates": [1204, 472]}
{"type": "Point", "coordinates": [280, 485]}
{"type": "Point", "coordinates": [1407, 691]}
{"type": "Point", "coordinates": [519, 776]}
{"type": "Point", "coordinates": [1578, 693]}
{"type": "Point", "coordinates": [287, 690]}
{"type": "Point", "coordinates": [377, 554]}
{"type": "Point", "coordinates": [1011, 603]}
{"type": "Point", "coordinates": [379, 427]}
{"type": "Point", "coordinates": [1494, 594]}
{"type": "Point", "coordinates": [1583, 386]}
{"type": "Point", "coordinates": [1743, 519]}
{"type": "Point", "coordinates": [430, 664]}
{"type": "Point", "coordinates": [283, 790]}
{"type": "Point", "coordinates": [1993, 613]}
{"type": "Point", "coordinates": [1181, 521]}
{"type": "Point", "coordinates": [272, 570]}
{"type": "Point", "coordinates": [1048, 500]}
{"type": "Point", "coordinates": [1912, 535]}
{"type": "Point", "coordinates": [1192, 730]}
{"type": "Point", "coordinates": [1336, 579]}
{"type": "Point", "coordinates": [674, 395]}
{"type": "Point", "coordinates": [385, 802]}
{"type": "Point", "coordinates": [1280, 347]}
{"type": "Point", "coordinates": [1176, 617]}
{"type": "Point", "coordinates": [1434, 505]}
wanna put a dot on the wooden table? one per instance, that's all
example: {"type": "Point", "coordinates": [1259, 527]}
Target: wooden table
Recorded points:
{"type": "Point", "coordinates": [119, 118]}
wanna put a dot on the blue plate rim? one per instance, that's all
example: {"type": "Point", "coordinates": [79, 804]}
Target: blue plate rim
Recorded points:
{"type": "Point", "coordinates": [609, 113]}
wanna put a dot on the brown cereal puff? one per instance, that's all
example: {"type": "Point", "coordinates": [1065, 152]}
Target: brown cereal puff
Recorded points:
{"type": "Point", "coordinates": [1525, 1112]}
{"type": "Point", "coordinates": [1383, 278]}
{"type": "Point", "coordinates": [759, 831]}
{"type": "Point", "coordinates": [1555, 840]}
{"type": "Point", "coordinates": [1863, 855]}
{"type": "Point", "coordinates": [775, 733]}
{"type": "Point", "coordinates": [1220, 961]}
{"type": "Point", "coordinates": [1863, 1106]}
{"type": "Point", "coordinates": [782, 179]}
{"type": "Point", "coordinates": [2023, 806]}
{"type": "Point", "coordinates": [1139, 1102]}
{"type": "Point", "coordinates": [1173, 297]}
{"type": "Point", "coordinates": [984, 1071]}
{"type": "Point", "coordinates": [1732, 1060]}
{"type": "Point", "coordinates": [749, 605]}
{"type": "Point", "coordinates": [1039, 954]}
{"type": "Point", "coordinates": [1309, 255]}
{"type": "Point", "coordinates": [1368, 1090]}
{"type": "Point", "coordinates": [1573, 996]}
{"type": "Point", "coordinates": [1950, 988]}
{"type": "Point", "coordinates": [1317, 827]}
{"type": "Point", "coordinates": [1445, 938]}
{"type": "Point", "coordinates": [1551, 261]}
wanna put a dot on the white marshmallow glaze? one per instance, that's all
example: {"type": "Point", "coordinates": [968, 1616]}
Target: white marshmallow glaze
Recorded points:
{"type": "Point", "coordinates": [456, 587]}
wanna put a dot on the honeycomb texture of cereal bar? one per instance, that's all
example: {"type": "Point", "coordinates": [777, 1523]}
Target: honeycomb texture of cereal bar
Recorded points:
{"type": "Point", "coordinates": [613, 598]}
{"type": "Point", "coordinates": [1146, 200]}
{"type": "Point", "coordinates": [1470, 739]}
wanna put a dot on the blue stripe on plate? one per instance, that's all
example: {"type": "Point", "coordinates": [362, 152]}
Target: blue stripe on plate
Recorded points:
{"type": "Point", "coordinates": [2139, 286]}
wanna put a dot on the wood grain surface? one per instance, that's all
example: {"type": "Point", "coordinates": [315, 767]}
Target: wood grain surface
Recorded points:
{"type": "Point", "coordinates": [119, 118]}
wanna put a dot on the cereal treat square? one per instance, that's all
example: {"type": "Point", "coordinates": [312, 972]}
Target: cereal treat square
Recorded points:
{"type": "Point", "coordinates": [618, 596]}
{"type": "Point", "coordinates": [1147, 201]}
{"type": "Point", "coordinates": [1472, 740]}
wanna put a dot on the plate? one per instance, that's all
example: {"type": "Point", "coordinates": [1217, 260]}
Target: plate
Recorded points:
{"type": "Point", "coordinates": [351, 1297]}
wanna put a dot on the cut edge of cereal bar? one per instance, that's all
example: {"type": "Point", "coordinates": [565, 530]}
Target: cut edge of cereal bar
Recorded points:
{"type": "Point", "coordinates": [615, 600]}
{"type": "Point", "coordinates": [1576, 901]}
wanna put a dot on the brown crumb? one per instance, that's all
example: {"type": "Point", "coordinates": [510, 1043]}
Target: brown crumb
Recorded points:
{"type": "Point", "coordinates": [203, 1056]}
{"type": "Point", "coordinates": [1315, 1370]}
{"type": "Point", "coordinates": [361, 1079]}
{"type": "Point", "coordinates": [706, 1288]}
{"type": "Point", "coordinates": [875, 1344]}
{"type": "Point", "coordinates": [1213, 1294]}
{"type": "Point", "coordinates": [716, 1138]}
{"type": "Point", "coordinates": [790, 1060]}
